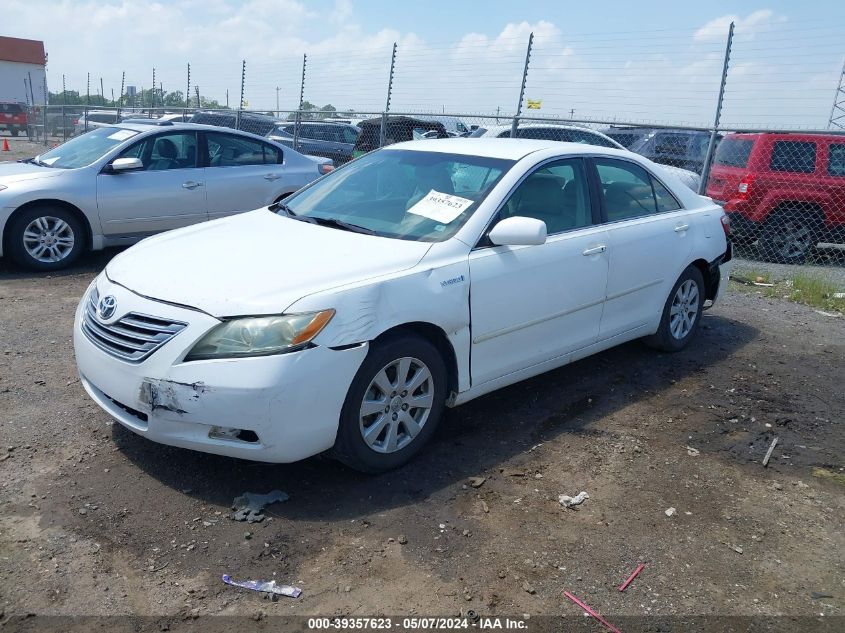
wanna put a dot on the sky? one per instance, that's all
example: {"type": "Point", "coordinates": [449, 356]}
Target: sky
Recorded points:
{"type": "Point", "coordinates": [647, 61]}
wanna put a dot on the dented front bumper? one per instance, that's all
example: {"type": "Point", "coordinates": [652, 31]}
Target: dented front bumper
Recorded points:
{"type": "Point", "coordinates": [290, 403]}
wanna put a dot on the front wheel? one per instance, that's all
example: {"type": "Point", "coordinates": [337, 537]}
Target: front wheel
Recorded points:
{"type": "Point", "coordinates": [393, 404]}
{"type": "Point", "coordinates": [681, 313]}
{"type": "Point", "coordinates": [46, 238]}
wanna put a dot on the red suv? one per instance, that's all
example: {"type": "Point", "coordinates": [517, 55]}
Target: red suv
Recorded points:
{"type": "Point", "coordinates": [786, 191]}
{"type": "Point", "coordinates": [13, 117]}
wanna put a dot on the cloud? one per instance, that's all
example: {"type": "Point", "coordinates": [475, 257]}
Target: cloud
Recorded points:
{"type": "Point", "coordinates": [717, 29]}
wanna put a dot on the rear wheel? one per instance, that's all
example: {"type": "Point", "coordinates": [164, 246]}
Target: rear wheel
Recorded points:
{"type": "Point", "coordinates": [789, 238]}
{"type": "Point", "coordinates": [14, 131]}
{"type": "Point", "coordinates": [681, 313]}
{"type": "Point", "coordinates": [46, 238]}
{"type": "Point", "coordinates": [393, 405]}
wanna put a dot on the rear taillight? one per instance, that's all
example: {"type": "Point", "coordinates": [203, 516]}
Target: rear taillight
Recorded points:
{"type": "Point", "coordinates": [744, 186]}
{"type": "Point", "coordinates": [726, 225]}
{"type": "Point", "coordinates": [326, 168]}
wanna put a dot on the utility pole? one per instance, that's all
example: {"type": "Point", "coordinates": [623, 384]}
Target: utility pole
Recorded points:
{"type": "Point", "coordinates": [198, 97]}
{"type": "Point", "coordinates": [102, 92]}
{"type": "Point", "coordinates": [522, 89]}
{"type": "Point", "coordinates": [837, 112]}
{"type": "Point", "coordinates": [705, 174]}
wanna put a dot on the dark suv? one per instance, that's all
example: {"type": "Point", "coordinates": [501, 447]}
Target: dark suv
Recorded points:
{"type": "Point", "coordinates": [13, 117]}
{"type": "Point", "coordinates": [686, 149]}
{"type": "Point", "coordinates": [251, 122]}
{"type": "Point", "coordinates": [319, 138]}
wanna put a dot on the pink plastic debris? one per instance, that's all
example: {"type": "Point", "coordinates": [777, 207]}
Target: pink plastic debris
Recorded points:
{"type": "Point", "coordinates": [625, 584]}
{"type": "Point", "coordinates": [591, 612]}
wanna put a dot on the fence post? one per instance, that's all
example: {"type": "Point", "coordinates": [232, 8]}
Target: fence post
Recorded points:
{"type": "Point", "coordinates": [188, 90]}
{"type": "Point", "coordinates": [383, 130]}
{"type": "Point", "coordinates": [122, 88]}
{"type": "Point", "coordinates": [64, 130]}
{"type": "Point", "coordinates": [241, 103]}
{"type": "Point", "coordinates": [153, 93]}
{"type": "Point", "coordinates": [522, 89]}
{"type": "Point", "coordinates": [44, 125]}
{"type": "Point", "coordinates": [708, 158]}
{"type": "Point", "coordinates": [301, 100]}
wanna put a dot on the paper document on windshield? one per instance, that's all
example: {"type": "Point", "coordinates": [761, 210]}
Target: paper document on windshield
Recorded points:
{"type": "Point", "coordinates": [441, 207]}
{"type": "Point", "coordinates": [122, 135]}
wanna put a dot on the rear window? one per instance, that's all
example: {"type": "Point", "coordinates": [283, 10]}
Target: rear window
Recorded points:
{"type": "Point", "coordinates": [733, 152]}
{"type": "Point", "coordinates": [794, 156]}
{"type": "Point", "coordinates": [11, 108]}
{"type": "Point", "coordinates": [836, 163]}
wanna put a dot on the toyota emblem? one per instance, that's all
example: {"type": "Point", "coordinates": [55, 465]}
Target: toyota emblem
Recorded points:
{"type": "Point", "coordinates": [106, 307]}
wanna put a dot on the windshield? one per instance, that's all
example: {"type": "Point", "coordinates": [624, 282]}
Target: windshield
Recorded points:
{"type": "Point", "coordinates": [404, 194]}
{"type": "Point", "coordinates": [84, 150]}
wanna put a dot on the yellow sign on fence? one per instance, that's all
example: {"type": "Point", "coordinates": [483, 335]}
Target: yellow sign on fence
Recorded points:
{"type": "Point", "coordinates": [534, 104]}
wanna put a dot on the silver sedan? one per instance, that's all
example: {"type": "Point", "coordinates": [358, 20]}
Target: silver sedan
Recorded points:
{"type": "Point", "coordinates": [116, 185]}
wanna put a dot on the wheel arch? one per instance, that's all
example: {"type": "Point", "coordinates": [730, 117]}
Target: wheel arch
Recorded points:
{"type": "Point", "coordinates": [437, 337]}
{"type": "Point", "coordinates": [711, 285]}
{"type": "Point", "coordinates": [72, 208]}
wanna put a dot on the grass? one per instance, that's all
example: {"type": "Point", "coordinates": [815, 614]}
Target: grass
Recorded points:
{"type": "Point", "coordinates": [809, 290]}
{"type": "Point", "coordinates": [824, 473]}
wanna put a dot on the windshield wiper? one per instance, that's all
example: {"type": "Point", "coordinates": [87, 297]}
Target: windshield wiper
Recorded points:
{"type": "Point", "coordinates": [345, 226]}
{"type": "Point", "coordinates": [281, 206]}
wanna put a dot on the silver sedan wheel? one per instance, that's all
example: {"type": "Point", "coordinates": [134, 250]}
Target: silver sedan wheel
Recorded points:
{"type": "Point", "coordinates": [48, 239]}
{"type": "Point", "coordinates": [396, 405]}
{"type": "Point", "coordinates": [684, 309]}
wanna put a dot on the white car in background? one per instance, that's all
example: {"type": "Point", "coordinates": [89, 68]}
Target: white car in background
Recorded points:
{"type": "Point", "coordinates": [119, 184]}
{"type": "Point", "coordinates": [418, 276]}
{"type": "Point", "coordinates": [576, 134]}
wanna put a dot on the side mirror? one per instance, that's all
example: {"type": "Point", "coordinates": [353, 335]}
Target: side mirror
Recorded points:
{"type": "Point", "coordinates": [126, 164]}
{"type": "Point", "coordinates": [519, 231]}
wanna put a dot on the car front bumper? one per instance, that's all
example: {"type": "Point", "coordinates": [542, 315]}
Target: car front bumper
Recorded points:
{"type": "Point", "coordinates": [290, 402]}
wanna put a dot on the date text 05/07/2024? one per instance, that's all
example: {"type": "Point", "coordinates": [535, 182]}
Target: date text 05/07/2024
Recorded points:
{"type": "Point", "coordinates": [417, 623]}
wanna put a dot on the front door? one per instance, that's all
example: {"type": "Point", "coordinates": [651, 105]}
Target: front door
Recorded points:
{"type": "Point", "coordinates": [168, 193]}
{"type": "Point", "coordinates": [531, 304]}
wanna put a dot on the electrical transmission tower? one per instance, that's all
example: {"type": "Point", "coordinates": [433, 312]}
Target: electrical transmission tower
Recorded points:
{"type": "Point", "coordinates": [837, 112]}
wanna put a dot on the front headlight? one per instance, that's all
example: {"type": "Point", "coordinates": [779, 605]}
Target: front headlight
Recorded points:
{"type": "Point", "coordinates": [260, 336]}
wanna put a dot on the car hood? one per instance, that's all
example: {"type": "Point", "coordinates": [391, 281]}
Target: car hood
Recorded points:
{"type": "Point", "coordinates": [17, 172]}
{"type": "Point", "coordinates": [255, 263]}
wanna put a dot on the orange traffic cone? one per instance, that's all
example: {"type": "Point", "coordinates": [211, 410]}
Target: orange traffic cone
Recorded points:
{"type": "Point", "coordinates": [6, 145]}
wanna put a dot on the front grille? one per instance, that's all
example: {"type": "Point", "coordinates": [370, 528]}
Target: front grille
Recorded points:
{"type": "Point", "coordinates": [133, 337]}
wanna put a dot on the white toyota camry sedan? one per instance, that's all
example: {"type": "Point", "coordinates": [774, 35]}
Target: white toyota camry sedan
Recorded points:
{"type": "Point", "coordinates": [419, 276]}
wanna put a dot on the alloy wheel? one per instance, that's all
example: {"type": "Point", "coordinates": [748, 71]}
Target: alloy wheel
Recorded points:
{"type": "Point", "coordinates": [684, 310]}
{"type": "Point", "coordinates": [396, 405]}
{"type": "Point", "coordinates": [48, 239]}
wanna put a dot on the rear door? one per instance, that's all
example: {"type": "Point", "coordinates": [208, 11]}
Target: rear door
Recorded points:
{"type": "Point", "coordinates": [649, 244]}
{"type": "Point", "coordinates": [243, 173]}
{"type": "Point", "coordinates": [834, 184]}
{"type": "Point", "coordinates": [168, 193]}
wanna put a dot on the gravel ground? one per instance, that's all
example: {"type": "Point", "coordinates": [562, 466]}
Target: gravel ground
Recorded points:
{"type": "Point", "coordinates": [97, 521]}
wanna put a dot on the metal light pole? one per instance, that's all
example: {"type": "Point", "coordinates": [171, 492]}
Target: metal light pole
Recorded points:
{"type": "Point", "coordinates": [515, 123]}
{"type": "Point", "coordinates": [705, 173]}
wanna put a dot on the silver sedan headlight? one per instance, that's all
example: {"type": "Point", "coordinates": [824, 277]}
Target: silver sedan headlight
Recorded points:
{"type": "Point", "coordinates": [260, 336]}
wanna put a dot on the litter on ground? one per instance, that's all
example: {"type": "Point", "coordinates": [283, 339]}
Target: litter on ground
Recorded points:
{"type": "Point", "coordinates": [630, 579]}
{"type": "Point", "coordinates": [265, 586]}
{"type": "Point", "coordinates": [249, 506]}
{"type": "Point", "coordinates": [567, 502]}
{"type": "Point", "coordinates": [591, 612]}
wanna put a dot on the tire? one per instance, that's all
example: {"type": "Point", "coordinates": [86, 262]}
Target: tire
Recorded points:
{"type": "Point", "coordinates": [391, 443]}
{"type": "Point", "coordinates": [14, 131]}
{"type": "Point", "coordinates": [789, 238]}
{"type": "Point", "coordinates": [672, 336]}
{"type": "Point", "coordinates": [48, 223]}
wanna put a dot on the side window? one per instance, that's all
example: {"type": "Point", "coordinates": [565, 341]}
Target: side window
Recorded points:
{"type": "Point", "coordinates": [349, 135]}
{"type": "Point", "coordinates": [591, 139]}
{"type": "Point", "coordinates": [794, 156]}
{"type": "Point", "coordinates": [836, 161]}
{"type": "Point", "coordinates": [671, 144]}
{"type": "Point", "coordinates": [229, 150]}
{"type": "Point", "coordinates": [630, 191]}
{"type": "Point", "coordinates": [557, 194]}
{"type": "Point", "coordinates": [273, 155]}
{"type": "Point", "coordinates": [165, 151]}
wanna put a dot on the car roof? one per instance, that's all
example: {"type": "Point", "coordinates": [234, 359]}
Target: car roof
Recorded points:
{"type": "Point", "coordinates": [175, 126]}
{"type": "Point", "coordinates": [506, 148]}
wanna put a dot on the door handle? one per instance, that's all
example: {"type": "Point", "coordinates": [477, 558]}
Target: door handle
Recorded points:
{"type": "Point", "coordinates": [191, 184]}
{"type": "Point", "coordinates": [681, 228]}
{"type": "Point", "coordinates": [271, 176]}
{"type": "Point", "coordinates": [595, 250]}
